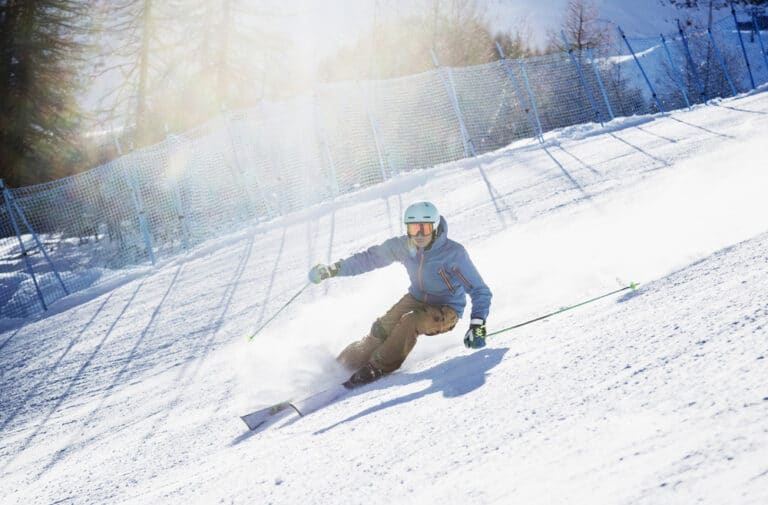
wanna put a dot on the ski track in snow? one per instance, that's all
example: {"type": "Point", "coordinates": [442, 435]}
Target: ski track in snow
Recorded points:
{"type": "Point", "coordinates": [132, 395]}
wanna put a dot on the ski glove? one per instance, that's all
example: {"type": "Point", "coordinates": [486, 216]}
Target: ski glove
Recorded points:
{"type": "Point", "coordinates": [321, 272]}
{"type": "Point", "coordinates": [475, 336]}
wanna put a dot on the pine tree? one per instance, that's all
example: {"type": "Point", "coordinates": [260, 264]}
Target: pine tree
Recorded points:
{"type": "Point", "coordinates": [231, 60]}
{"type": "Point", "coordinates": [40, 60]}
{"type": "Point", "coordinates": [177, 63]}
{"type": "Point", "coordinates": [128, 66]}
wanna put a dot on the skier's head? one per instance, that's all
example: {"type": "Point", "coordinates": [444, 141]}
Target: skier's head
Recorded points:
{"type": "Point", "coordinates": [421, 220]}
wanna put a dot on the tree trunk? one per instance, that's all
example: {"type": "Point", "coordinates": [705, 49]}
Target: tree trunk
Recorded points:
{"type": "Point", "coordinates": [141, 99]}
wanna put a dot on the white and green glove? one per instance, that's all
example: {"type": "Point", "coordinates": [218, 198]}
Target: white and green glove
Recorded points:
{"type": "Point", "coordinates": [319, 273]}
{"type": "Point", "coordinates": [475, 336]}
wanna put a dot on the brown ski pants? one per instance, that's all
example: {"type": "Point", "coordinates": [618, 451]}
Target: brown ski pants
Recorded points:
{"type": "Point", "coordinates": [394, 334]}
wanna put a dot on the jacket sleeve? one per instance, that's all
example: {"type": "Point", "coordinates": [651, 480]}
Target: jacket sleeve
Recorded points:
{"type": "Point", "coordinates": [374, 257]}
{"type": "Point", "coordinates": [478, 291]}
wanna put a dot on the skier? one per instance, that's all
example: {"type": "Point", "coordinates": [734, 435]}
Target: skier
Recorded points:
{"type": "Point", "coordinates": [441, 275]}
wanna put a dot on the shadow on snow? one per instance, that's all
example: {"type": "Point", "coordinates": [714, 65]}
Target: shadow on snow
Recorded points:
{"type": "Point", "coordinates": [456, 377]}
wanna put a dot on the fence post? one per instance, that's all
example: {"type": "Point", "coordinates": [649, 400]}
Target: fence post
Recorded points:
{"type": "Point", "coordinates": [138, 204]}
{"type": "Point", "coordinates": [675, 71]}
{"type": "Point", "coordinates": [377, 142]}
{"type": "Point", "coordinates": [743, 49]}
{"type": "Point", "coordinates": [722, 62]}
{"type": "Point", "coordinates": [583, 80]}
{"type": "Point", "coordinates": [40, 245]}
{"type": "Point", "coordinates": [30, 269]}
{"type": "Point", "coordinates": [760, 39]}
{"type": "Point", "coordinates": [642, 70]}
{"type": "Point", "coordinates": [468, 146]}
{"type": "Point", "coordinates": [532, 98]}
{"type": "Point", "coordinates": [35, 237]}
{"type": "Point", "coordinates": [536, 133]}
{"type": "Point", "coordinates": [325, 148]}
{"type": "Point", "coordinates": [688, 56]}
{"type": "Point", "coordinates": [237, 169]}
{"type": "Point", "coordinates": [177, 200]}
{"type": "Point", "coordinates": [600, 83]}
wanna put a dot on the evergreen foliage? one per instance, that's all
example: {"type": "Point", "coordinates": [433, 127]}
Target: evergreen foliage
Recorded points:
{"type": "Point", "coordinates": [41, 52]}
{"type": "Point", "coordinates": [177, 64]}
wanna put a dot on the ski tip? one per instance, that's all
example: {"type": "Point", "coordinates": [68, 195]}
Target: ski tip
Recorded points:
{"type": "Point", "coordinates": [251, 427]}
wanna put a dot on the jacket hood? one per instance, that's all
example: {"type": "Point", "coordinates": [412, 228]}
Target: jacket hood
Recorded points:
{"type": "Point", "coordinates": [442, 234]}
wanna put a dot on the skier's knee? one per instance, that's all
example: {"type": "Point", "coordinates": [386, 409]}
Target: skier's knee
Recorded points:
{"type": "Point", "coordinates": [378, 331]}
{"type": "Point", "coordinates": [435, 320]}
{"type": "Point", "coordinates": [409, 323]}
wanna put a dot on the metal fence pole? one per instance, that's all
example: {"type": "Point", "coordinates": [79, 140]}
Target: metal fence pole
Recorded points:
{"type": "Point", "coordinates": [237, 169]}
{"type": "Point", "coordinates": [688, 56]}
{"type": "Point", "coordinates": [675, 71]}
{"type": "Point", "coordinates": [743, 49]}
{"type": "Point", "coordinates": [177, 200]}
{"type": "Point", "coordinates": [760, 40]}
{"type": "Point", "coordinates": [600, 83]}
{"type": "Point", "coordinates": [722, 62]}
{"type": "Point", "coordinates": [642, 70]}
{"type": "Point", "coordinates": [324, 147]}
{"type": "Point", "coordinates": [583, 80]}
{"type": "Point", "coordinates": [36, 238]}
{"type": "Point", "coordinates": [532, 98]}
{"type": "Point", "coordinates": [30, 269]}
{"type": "Point", "coordinates": [375, 130]}
{"type": "Point", "coordinates": [536, 133]}
{"type": "Point", "coordinates": [469, 148]}
{"type": "Point", "coordinates": [138, 204]}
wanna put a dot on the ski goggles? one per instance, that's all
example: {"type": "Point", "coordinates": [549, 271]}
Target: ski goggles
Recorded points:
{"type": "Point", "coordinates": [416, 229]}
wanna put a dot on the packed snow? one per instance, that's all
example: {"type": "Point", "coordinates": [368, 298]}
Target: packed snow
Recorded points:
{"type": "Point", "coordinates": [133, 394]}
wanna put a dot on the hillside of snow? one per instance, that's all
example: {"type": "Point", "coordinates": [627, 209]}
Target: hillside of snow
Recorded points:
{"type": "Point", "coordinates": [653, 396]}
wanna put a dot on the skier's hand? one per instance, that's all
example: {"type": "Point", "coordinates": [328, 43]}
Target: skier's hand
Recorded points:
{"type": "Point", "coordinates": [321, 272]}
{"type": "Point", "coordinates": [475, 336]}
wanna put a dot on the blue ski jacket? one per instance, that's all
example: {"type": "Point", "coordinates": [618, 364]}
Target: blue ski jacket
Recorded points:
{"type": "Point", "coordinates": [441, 274]}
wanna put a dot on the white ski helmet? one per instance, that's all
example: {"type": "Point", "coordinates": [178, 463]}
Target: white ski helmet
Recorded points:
{"type": "Point", "coordinates": [422, 212]}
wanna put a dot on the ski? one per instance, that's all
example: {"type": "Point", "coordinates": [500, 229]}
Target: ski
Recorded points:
{"type": "Point", "coordinates": [304, 406]}
{"type": "Point", "coordinates": [271, 413]}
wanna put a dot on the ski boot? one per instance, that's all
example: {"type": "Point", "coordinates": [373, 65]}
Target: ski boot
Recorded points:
{"type": "Point", "coordinates": [365, 375]}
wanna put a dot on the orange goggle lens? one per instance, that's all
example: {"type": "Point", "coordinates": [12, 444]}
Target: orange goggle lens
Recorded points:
{"type": "Point", "coordinates": [415, 229]}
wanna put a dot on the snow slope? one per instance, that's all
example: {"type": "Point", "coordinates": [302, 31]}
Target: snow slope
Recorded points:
{"type": "Point", "coordinates": [654, 396]}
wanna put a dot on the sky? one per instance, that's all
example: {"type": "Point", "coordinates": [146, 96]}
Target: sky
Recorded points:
{"type": "Point", "coordinates": [132, 394]}
{"type": "Point", "coordinates": [320, 28]}
{"type": "Point", "coordinates": [638, 18]}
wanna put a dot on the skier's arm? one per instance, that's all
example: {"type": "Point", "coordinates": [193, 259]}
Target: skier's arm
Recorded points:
{"type": "Point", "coordinates": [374, 257]}
{"type": "Point", "coordinates": [478, 291]}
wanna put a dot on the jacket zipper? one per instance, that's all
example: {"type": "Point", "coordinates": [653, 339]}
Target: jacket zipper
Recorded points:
{"type": "Point", "coordinates": [465, 281]}
{"type": "Point", "coordinates": [446, 281]}
{"type": "Point", "coordinates": [421, 283]}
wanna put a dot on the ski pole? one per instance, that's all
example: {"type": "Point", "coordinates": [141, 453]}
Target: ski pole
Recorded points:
{"type": "Point", "coordinates": [632, 286]}
{"type": "Point", "coordinates": [252, 336]}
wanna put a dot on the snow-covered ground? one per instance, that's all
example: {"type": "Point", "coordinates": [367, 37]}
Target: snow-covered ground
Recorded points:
{"type": "Point", "coordinates": [655, 396]}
